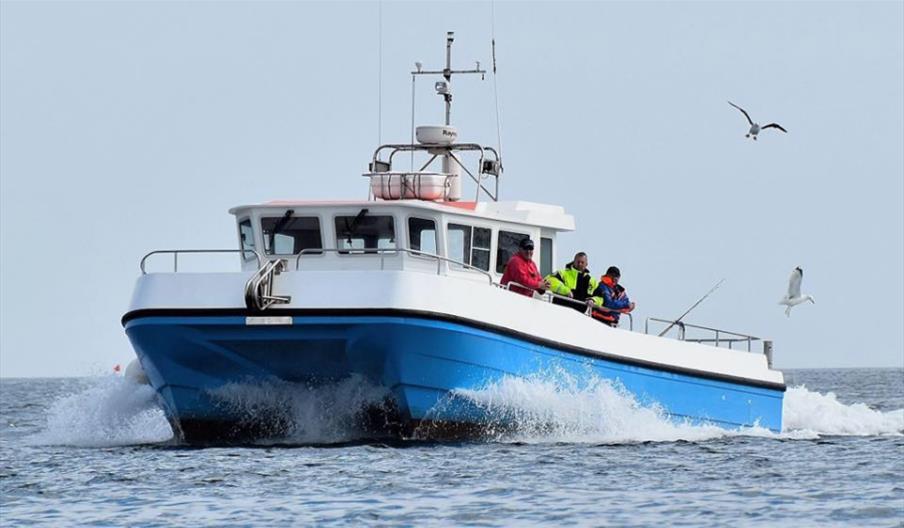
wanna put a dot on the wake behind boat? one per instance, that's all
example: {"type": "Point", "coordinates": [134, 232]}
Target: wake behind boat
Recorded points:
{"type": "Point", "coordinates": [402, 291]}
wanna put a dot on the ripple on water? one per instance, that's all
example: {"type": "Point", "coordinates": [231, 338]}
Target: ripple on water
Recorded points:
{"type": "Point", "coordinates": [78, 463]}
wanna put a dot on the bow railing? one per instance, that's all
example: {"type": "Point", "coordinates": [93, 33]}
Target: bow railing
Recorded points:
{"type": "Point", "coordinates": [259, 288]}
{"type": "Point", "coordinates": [176, 252]}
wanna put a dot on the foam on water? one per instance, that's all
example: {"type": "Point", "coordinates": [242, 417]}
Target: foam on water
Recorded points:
{"type": "Point", "coordinates": [306, 414]}
{"type": "Point", "coordinates": [543, 410]}
{"type": "Point", "coordinates": [115, 411]}
{"type": "Point", "coordinates": [111, 411]}
{"type": "Point", "coordinates": [558, 410]}
{"type": "Point", "coordinates": [823, 414]}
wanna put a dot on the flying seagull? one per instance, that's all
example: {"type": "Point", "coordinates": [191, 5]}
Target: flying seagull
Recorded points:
{"type": "Point", "coordinates": [755, 127]}
{"type": "Point", "coordinates": [793, 297]}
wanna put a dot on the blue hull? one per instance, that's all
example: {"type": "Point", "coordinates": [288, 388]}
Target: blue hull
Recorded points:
{"type": "Point", "coordinates": [419, 360]}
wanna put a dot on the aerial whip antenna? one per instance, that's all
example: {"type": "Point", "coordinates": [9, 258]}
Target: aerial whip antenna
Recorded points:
{"type": "Point", "coordinates": [495, 88]}
{"type": "Point", "coordinates": [419, 66]}
{"type": "Point", "coordinates": [380, 74]}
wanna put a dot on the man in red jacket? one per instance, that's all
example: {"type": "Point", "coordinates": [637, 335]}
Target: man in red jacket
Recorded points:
{"type": "Point", "coordinates": [522, 269]}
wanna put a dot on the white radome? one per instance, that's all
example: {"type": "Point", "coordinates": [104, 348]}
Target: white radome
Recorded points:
{"type": "Point", "coordinates": [436, 134]}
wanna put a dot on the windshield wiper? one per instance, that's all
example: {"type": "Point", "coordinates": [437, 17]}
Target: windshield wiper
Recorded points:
{"type": "Point", "coordinates": [350, 228]}
{"type": "Point", "coordinates": [279, 226]}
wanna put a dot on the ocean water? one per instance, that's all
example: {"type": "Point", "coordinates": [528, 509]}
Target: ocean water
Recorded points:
{"type": "Point", "coordinates": [98, 451]}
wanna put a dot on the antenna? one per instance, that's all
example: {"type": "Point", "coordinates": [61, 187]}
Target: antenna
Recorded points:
{"type": "Point", "coordinates": [380, 74]}
{"type": "Point", "coordinates": [444, 87]}
{"type": "Point", "coordinates": [439, 142]}
{"type": "Point", "coordinates": [495, 86]}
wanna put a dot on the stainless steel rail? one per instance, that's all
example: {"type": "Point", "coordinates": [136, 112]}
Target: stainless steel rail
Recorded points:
{"type": "Point", "coordinates": [721, 336]}
{"type": "Point", "coordinates": [177, 252]}
{"type": "Point", "coordinates": [382, 252]}
{"type": "Point", "coordinates": [259, 288]}
{"type": "Point", "coordinates": [437, 150]}
{"type": "Point", "coordinates": [549, 296]}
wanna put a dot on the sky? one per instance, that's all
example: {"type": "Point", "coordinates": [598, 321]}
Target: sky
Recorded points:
{"type": "Point", "coordinates": [132, 126]}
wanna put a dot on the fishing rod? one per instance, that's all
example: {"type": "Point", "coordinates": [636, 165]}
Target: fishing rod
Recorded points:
{"type": "Point", "coordinates": [678, 321]}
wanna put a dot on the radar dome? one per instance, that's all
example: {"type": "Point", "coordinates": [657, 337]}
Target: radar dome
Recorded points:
{"type": "Point", "coordinates": [436, 135]}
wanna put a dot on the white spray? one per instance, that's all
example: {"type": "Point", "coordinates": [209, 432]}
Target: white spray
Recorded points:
{"type": "Point", "coordinates": [114, 411]}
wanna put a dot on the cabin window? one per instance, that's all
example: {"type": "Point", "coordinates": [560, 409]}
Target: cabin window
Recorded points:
{"type": "Point", "coordinates": [422, 235]}
{"type": "Point", "coordinates": [480, 248]}
{"type": "Point", "coordinates": [507, 246]}
{"type": "Point", "coordinates": [246, 237]}
{"type": "Point", "coordinates": [364, 232]}
{"type": "Point", "coordinates": [470, 245]}
{"type": "Point", "coordinates": [289, 235]}
{"type": "Point", "coordinates": [459, 242]}
{"type": "Point", "coordinates": [545, 256]}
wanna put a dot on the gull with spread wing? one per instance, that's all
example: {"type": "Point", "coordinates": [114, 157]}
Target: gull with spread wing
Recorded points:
{"type": "Point", "coordinates": [755, 127]}
{"type": "Point", "coordinates": [794, 297]}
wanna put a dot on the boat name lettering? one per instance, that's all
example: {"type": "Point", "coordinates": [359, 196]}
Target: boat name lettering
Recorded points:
{"type": "Point", "coordinates": [268, 320]}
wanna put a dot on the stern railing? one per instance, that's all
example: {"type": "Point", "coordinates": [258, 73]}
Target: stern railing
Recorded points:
{"type": "Point", "coordinates": [718, 336]}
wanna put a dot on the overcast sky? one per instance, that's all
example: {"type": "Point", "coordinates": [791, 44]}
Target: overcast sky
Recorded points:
{"type": "Point", "coordinates": [132, 126]}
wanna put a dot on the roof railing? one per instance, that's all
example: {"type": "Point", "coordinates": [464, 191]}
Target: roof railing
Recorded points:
{"type": "Point", "coordinates": [486, 166]}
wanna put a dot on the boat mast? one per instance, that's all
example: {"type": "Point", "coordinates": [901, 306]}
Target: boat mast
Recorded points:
{"type": "Point", "coordinates": [447, 73]}
{"type": "Point", "coordinates": [444, 87]}
{"type": "Point", "coordinates": [438, 141]}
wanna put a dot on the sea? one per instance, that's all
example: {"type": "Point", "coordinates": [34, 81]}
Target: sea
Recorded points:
{"type": "Point", "coordinates": [98, 451]}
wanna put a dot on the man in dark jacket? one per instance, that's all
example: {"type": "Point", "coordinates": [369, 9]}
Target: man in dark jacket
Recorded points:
{"type": "Point", "coordinates": [614, 297]}
{"type": "Point", "coordinates": [522, 270]}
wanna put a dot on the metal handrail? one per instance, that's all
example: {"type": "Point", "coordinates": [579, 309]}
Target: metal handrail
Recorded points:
{"type": "Point", "coordinates": [732, 337]}
{"type": "Point", "coordinates": [549, 296]}
{"type": "Point", "coordinates": [405, 185]}
{"type": "Point", "coordinates": [383, 251]}
{"type": "Point", "coordinates": [259, 288]}
{"type": "Point", "coordinates": [176, 252]}
{"type": "Point", "coordinates": [435, 150]}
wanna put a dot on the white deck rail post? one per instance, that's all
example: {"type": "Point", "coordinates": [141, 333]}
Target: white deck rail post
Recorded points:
{"type": "Point", "coordinates": [767, 350]}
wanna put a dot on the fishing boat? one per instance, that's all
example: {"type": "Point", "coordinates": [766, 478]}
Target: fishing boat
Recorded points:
{"type": "Point", "coordinates": [402, 291]}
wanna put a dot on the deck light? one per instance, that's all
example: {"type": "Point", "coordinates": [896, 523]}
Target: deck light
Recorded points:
{"type": "Point", "coordinates": [491, 167]}
{"type": "Point", "coordinates": [379, 166]}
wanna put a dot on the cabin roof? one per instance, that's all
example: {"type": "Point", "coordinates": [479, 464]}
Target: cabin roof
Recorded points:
{"type": "Point", "coordinates": [520, 212]}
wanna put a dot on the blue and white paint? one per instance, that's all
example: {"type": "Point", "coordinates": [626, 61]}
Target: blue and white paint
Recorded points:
{"type": "Point", "coordinates": [420, 361]}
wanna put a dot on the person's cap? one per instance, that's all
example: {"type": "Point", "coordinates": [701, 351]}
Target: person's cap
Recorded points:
{"type": "Point", "coordinates": [526, 243]}
{"type": "Point", "coordinates": [613, 272]}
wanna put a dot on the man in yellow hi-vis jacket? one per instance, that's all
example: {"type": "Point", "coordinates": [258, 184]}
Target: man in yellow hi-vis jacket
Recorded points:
{"type": "Point", "coordinates": [575, 281]}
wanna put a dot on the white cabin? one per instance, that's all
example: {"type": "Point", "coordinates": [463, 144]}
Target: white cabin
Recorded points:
{"type": "Point", "coordinates": [467, 236]}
